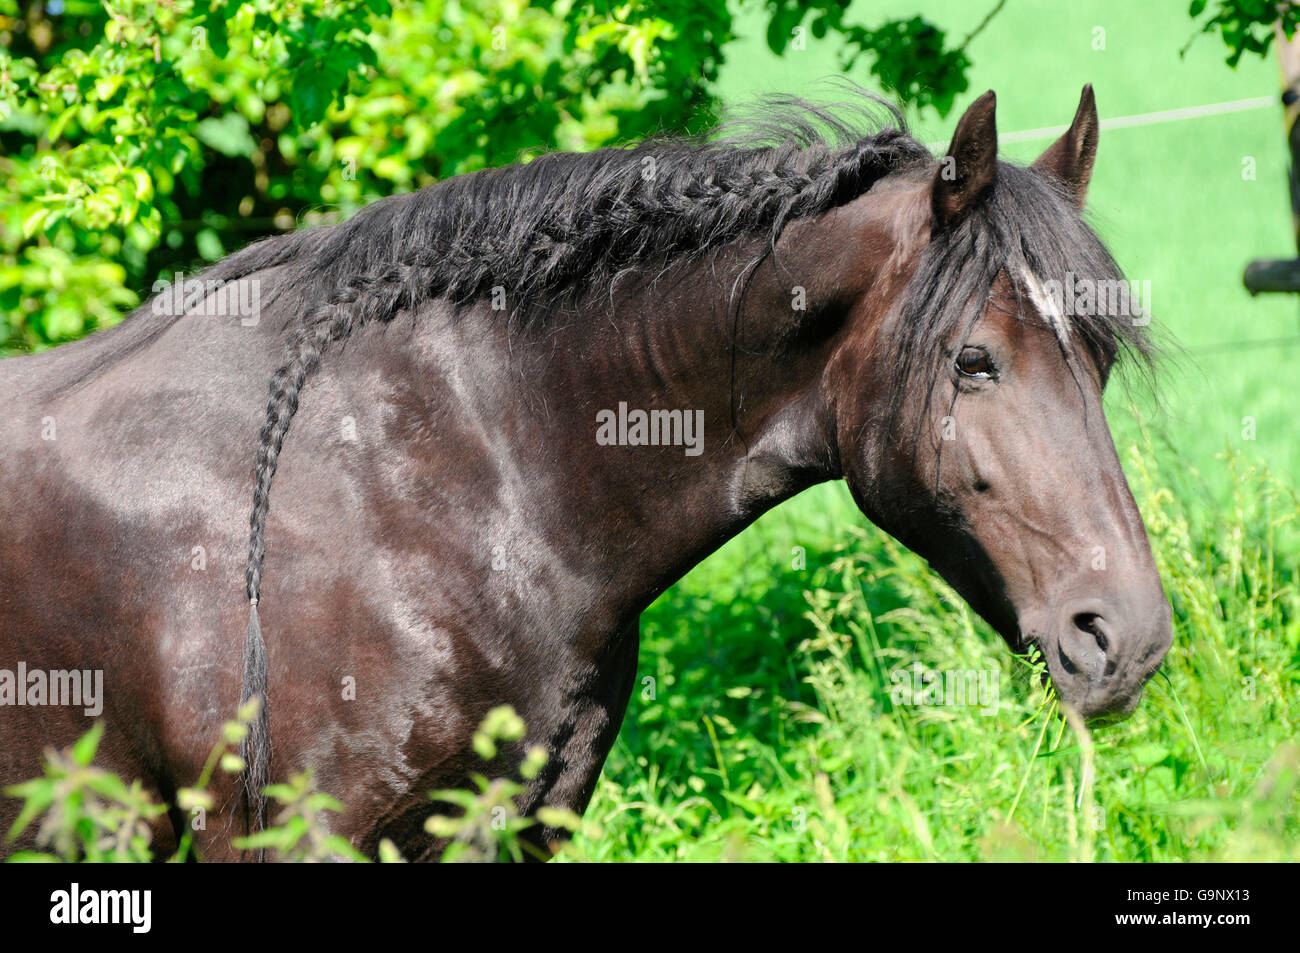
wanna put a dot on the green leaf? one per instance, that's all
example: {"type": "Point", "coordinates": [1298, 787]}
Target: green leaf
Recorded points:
{"type": "Point", "coordinates": [232, 763]}
{"type": "Point", "coordinates": [484, 746]}
{"type": "Point", "coordinates": [277, 838]}
{"type": "Point", "coordinates": [209, 244]}
{"type": "Point", "coordinates": [1148, 753]}
{"type": "Point", "coordinates": [343, 847]}
{"type": "Point", "coordinates": [55, 130]}
{"type": "Point", "coordinates": [109, 785]}
{"type": "Point", "coordinates": [187, 799]}
{"type": "Point", "coordinates": [228, 135]}
{"type": "Point", "coordinates": [107, 86]}
{"type": "Point", "coordinates": [33, 857]}
{"type": "Point", "coordinates": [83, 752]}
{"type": "Point", "coordinates": [320, 801]}
{"type": "Point", "coordinates": [559, 817]}
{"type": "Point", "coordinates": [218, 33]}
{"type": "Point", "coordinates": [33, 222]}
{"type": "Point", "coordinates": [39, 794]}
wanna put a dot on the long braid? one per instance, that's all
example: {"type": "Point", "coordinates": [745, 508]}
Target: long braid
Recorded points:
{"type": "Point", "coordinates": [705, 203]}
{"type": "Point", "coordinates": [330, 322]}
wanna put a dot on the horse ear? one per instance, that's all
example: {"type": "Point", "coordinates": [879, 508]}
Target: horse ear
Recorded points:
{"type": "Point", "coordinates": [1070, 158]}
{"type": "Point", "coordinates": [967, 172]}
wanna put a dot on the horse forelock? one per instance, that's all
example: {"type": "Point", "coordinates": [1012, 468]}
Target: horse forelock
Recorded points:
{"type": "Point", "coordinates": [1029, 230]}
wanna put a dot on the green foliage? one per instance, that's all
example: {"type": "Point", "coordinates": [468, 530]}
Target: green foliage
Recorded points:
{"type": "Point", "coordinates": [101, 129]}
{"type": "Point", "coordinates": [909, 57]}
{"type": "Point", "coordinates": [90, 815]}
{"type": "Point", "coordinates": [1246, 26]}
{"type": "Point", "coordinates": [84, 812]}
{"type": "Point", "coordinates": [299, 832]}
{"type": "Point", "coordinates": [487, 826]}
{"type": "Point", "coordinates": [142, 138]}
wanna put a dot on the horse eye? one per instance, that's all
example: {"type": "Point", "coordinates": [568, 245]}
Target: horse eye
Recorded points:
{"type": "Point", "coordinates": [972, 362]}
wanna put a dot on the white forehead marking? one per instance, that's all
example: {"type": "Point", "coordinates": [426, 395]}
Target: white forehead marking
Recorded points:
{"type": "Point", "coordinates": [1047, 305]}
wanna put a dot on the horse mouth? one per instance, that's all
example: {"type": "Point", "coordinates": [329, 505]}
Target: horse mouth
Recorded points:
{"type": "Point", "coordinates": [1113, 717]}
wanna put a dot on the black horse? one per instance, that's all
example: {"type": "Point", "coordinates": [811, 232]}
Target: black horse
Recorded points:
{"type": "Point", "coordinates": [534, 397]}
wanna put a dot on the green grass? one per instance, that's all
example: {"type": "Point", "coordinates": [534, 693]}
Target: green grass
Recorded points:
{"type": "Point", "coordinates": [768, 731]}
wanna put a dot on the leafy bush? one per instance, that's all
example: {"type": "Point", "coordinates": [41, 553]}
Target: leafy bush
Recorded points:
{"type": "Point", "coordinates": [87, 814]}
{"type": "Point", "coordinates": [1246, 26]}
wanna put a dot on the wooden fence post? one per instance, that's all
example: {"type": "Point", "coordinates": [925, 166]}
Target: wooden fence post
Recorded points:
{"type": "Point", "coordinates": [1284, 274]}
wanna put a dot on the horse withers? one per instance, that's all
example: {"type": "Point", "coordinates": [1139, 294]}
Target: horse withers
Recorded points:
{"type": "Point", "coordinates": [525, 402]}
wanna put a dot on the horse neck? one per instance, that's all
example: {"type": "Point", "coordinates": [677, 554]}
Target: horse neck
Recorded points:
{"type": "Point", "coordinates": [546, 418]}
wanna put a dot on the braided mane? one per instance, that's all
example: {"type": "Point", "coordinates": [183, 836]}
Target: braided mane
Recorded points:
{"type": "Point", "coordinates": [547, 232]}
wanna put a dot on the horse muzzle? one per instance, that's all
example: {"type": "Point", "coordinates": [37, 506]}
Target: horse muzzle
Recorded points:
{"type": "Point", "coordinates": [1101, 652]}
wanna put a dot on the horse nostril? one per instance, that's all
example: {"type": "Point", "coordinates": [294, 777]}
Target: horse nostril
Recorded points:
{"type": "Point", "coordinates": [1092, 623]}
{"type": "Point", "coordinates": [1083, 647]}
